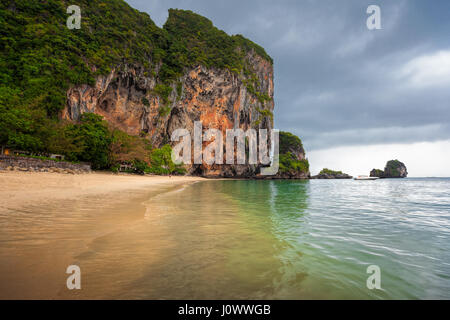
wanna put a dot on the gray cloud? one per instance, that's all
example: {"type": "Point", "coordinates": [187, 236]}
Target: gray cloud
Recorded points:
{"type": "Point", "coordinates": [337, 83]}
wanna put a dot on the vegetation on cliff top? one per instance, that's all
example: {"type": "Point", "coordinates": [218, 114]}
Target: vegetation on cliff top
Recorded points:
{"type": "Point", "coordinates": [40, 58]}
{"type": "Point", "coordinates": [193, 40]}
{"type": "Point", "coordinates": [290, 142]}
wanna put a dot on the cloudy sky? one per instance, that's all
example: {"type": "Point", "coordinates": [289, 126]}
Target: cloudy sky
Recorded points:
{"type": "Point", "coordinates": [356, 97]}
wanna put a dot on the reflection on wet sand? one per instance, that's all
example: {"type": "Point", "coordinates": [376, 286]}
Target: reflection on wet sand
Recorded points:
{"type": "Point", "coordinates": [197, 241]}
{"type": "Point", "coordinates": [38, 242]}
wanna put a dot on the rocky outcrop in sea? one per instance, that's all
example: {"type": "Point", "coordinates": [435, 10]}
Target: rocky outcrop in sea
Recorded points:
{"type": "Point", "coordinates": [393, 169]}
{"type": "Point", "coordinates": [330, 174]}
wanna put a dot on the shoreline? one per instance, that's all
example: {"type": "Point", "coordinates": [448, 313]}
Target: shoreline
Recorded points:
{"type": "Point", "coordinates": [49, 221]}
{"type": "Point", "coordinates": [19, 189]}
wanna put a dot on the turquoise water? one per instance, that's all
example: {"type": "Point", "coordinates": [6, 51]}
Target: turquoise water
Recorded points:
{"type": "Point", "coordinates": [301, 240]}
{"type": "Point", "coordinates": [237, 240]}
{"type": "Point", "coordinates": [326, 233]}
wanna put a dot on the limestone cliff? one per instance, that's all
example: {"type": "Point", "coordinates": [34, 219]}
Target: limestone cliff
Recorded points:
{"type": "Point", "coordinates": [143, 79]}
{"type": "Point", "coordinates": [129, 99]}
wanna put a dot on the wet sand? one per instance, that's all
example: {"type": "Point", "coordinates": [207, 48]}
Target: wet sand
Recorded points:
{"type": "Point", "coordinates": [47, 220]}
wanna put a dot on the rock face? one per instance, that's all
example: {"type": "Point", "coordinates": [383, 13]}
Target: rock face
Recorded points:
{"type": "Point", "coordinates": [129, 100]}
{"type": "Point", "coordinates": [393, 169]}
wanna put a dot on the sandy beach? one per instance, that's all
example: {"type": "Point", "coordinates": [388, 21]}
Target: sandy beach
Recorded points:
{"type": "Point", "coordinates": [49, 220]}
{"type": "Point", "coordinates": [19, 189]}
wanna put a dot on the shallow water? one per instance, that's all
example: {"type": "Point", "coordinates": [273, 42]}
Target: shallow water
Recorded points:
{"type": "Point", "coordinates": [261, 240]}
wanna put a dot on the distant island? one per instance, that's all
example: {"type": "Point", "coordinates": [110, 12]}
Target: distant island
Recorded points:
{"type": "Point", "coordinates": [331, 174]}
{"type": "Point", "coordinates": [393, 169]}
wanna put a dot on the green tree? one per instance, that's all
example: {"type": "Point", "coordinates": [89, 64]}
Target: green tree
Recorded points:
{"type": "Point", "coordinates": [129, 149]}
{"type": "Point", "coordinates": [161, 162]}
{"type": "Point", "coordinates": [92, 132]}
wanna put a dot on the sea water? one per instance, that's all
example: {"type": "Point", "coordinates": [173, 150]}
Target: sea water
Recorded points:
{"type": "Point", "coordinates": [243, 239]}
